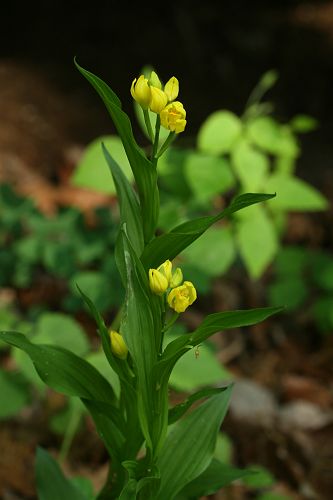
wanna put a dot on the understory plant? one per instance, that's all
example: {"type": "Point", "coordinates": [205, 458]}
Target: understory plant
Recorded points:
{"type": "Point", "coordinates": [156, 451]}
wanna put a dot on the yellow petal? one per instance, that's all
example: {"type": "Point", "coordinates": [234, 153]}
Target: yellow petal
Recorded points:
{"type": "Point", "coordinates": [172, 89]}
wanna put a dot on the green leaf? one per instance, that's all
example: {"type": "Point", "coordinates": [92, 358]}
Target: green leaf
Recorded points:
{"type": "Point", "coordinates": [288, 291]}
{"type": "Point", "coordinates": [219, 250]}
{"type": "Point", "coordinates": [259, 477]}
{"type": "Point", "coordinates": [63, 370]}
{"type": "Point", "coordinates": [128, 203]}
{"type": "Point", "coordinates": [144, 171]}
{"type": "Point", "coordinates": [219, 132]}
{"type": "Point", "coordinates": [96, 285]}
{"type": "Point", "coordinates": [303, 124]}
{"type": "Point", "coordinates": [322, 271]}
{"type": "Point", "coordinates": [169, 245]}
{"type": "Point", "coordinates": [193, 371]}
{"type": "Point", "coordinates": [92, 172]}
{"type": "Point", "coordinates": [251, 166]}
{"type": "Point", "coordinates": [215, 477]}
{"type": "Point", "coordinates": [291, 261]}
{"type": "Point", "coordinates": [51, 482]}
{"type": "Point", "coordinates": [322, 311]}
{"type": "Point", "coordinates": [295, 194]}
{"type": "Point", "coordinates": [137, 327]}
{"type": "Point", "coordinates": [179, 410]}
{"type": "Point", "coordinates": [60, 329]}
{"type": "Point", "coordinates": [14, 394]}
{"type": "Point", "coordinates": [272, 137]}
{"type": "Point", "coordinates": [208, 175]}
{"type": "Point", "coordinates": [257, 240]}
{"type": "Point", "coordinates": [213, 323]}
{"type": "Point", "coordinates": [189, 448]}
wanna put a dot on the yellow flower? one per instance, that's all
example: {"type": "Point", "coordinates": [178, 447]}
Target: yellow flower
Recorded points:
{"type": "Point", "coordinates": [154, 80]}
{"type": "Point", "coordinates": [177, 278]}
{"type": "Point", "coordinates": [158, 100]}
{"type": "Point", "coordinates": [141, 92]}
{"type": "Point", "coordinates": [158, 282]}
{"type": "Point", "coordinates": [182, 296]}
{"type": "Point", "coordinates": [118, 346]}
{"type": "Point", "coordinates": [166, 269]}
{"type": "Point", "coordinates": [172, 89]}
{"type": "Point", "coordinates": [173, 117]}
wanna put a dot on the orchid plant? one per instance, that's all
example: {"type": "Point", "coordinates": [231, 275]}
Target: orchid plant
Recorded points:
{"type": "Point", "coordinates": [156, 451]}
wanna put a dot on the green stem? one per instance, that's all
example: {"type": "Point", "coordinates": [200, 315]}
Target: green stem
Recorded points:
{"type": "Point", "coordinates": [157, 135]}
{"type": "Point", "coordinates": [171, 137]}
{"type": "Point", "coordinates": [71, 429]}
{"type": "Point", "coordinates": [171, 322]}
{"type": "Point", "coordinates": [148, 124]}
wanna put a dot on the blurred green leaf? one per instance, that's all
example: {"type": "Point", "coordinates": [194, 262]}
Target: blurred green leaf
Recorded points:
{"type": "Point", "coordinates": [208, 175]}
{"type": "Point", "coordinates": [51, 482]}
{"type": "Point", "coordinates": [251, 166]}
{"type": "Point", "coordinates": [219, 132]}
{"type": "Point", "coordinates": [217, 246]}
{"type": "Point", "coordinates": [62, 330]}
{"type": "Point", "coordinates": [322, 311]}
{"type": "Point", "coordinates": [303, 124]}
{"type": "Point", "coordinates": [14, 394]}
{"type": "Point", "coordinates": [260, 477]}
{"type": "Point", "coordinates": [291, 261]}
{"type": "Point", "coordinates": [294, 194]}
{"type": "Point", "coordinates": [223, 449]}
{"type": "Point", "coordinates": [199, 369]}
{"type": "Point", "coordinates": [92, 171]}
{"type": "Point", "coordinates": [322, 270]}
{"type": "Point", "coordinates": [290, 292]}
{"type": "Point", "coordinates": [272, 137]}
{"type": "Point", "coordinates": [257, 240]}
{"type": "Point", "coordinates": [96, 285]}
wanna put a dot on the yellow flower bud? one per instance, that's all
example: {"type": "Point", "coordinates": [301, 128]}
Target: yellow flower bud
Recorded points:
{"type": "Point", "coordinates": [182, 296]}
{"type": "Point", "coordinates": [177, 278]}
{"type": "Point", "coordinates": [158, 100]}
{"type": "Point", "coordinates": [173, 117]}
{"type": "Point", "coordinates": [172, 89]}
{"type": "Point", "coordinates": [166, 269]}
{"type": "Point", "coordinates": [157, 281]}
{"type": "Point", "coordinates": [140, 91]}
{"type": "Point", "coordinates": [118, 346]}
{"type": "Point", "coordinates": [154, 80]}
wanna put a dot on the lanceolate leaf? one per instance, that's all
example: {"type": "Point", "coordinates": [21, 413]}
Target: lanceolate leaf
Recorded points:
{"type": "Point", "coordinates": [195, 437]}
{"type": "Point", "coordinates": [51, 482]}
{"type": "Point", "coordinates": [212, 323]}
{"type": "Point", "coordinates": [128, 203]}
{"type": "Point", "coordinates": [179, 410]}
{"type": "Point", "coordinates": [216, 476]}
{"type": "Point", "coordinates": [169, 245]}
{"type": "Point", "coordinates": [137, 327]}
{"type": "Point", "coordinates": [62, 370]}
{"type": "Point", "coordinates": [218, 322]}
{"type": "Point", "coordinates": [144, 171]}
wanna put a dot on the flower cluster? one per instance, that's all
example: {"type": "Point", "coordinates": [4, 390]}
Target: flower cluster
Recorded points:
{"type": "Point", "coordinates": [164, 280]}
{"type": "Point", "coordinates": [150, 95]}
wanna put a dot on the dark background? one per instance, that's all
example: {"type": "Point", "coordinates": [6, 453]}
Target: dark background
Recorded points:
{"type": "Point", "coordinates": [218, 50]}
